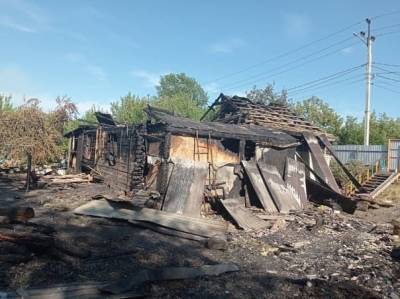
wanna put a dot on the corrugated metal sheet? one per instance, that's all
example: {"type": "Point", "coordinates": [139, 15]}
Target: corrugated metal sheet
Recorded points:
{"type": "Point", "coordinates": [394, 154]}
{"type": "Point", "coordinates": [368, 154]}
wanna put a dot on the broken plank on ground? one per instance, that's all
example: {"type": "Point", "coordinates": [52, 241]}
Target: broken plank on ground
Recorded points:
{"type": "Point", "coordinates": [323, 166]}
{"type": "Point", "coordinates": [295, 179]}
{"type": "Point", "coordinates": [196, 226]}
{"type": "Point", "coordinates": [259, 187]}
{"type": "Point", "coordinates": [242, 216]}
{"type": "Point", "coordinates": [185, 189]}
{"type": "Point", "coordinates": [277, 187]}
{"type": "Point", "coordinates": [328, 197]}
{"type": "Point", "coordinates": [168, 273]}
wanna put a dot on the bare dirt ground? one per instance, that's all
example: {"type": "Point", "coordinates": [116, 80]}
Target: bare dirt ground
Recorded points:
{"type": "Point", "coordinates": [318, 253]}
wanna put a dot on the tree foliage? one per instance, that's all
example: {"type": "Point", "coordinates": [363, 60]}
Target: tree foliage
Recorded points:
{"type": "Point", "coordinates": [181, 95]}
{"type": "Point", "coordinates": [129, 109]}
{"type": "Point", "coordinates": [28, 130]}
{"type": "Point", "coordinates": [321, 114]}
{"type": "Point", "coordinates": [5, 103]}
{"type": "Point", "coordinates": [182, 106]}
{"type": "Point", "coordinates": [267, 95]}
{"type": "Point", "coordinates": [180, 86]}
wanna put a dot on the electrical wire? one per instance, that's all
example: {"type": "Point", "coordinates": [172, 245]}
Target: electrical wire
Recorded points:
{"type": "Point", "coordinates": [388, 89]}
{"type": "Point", "coordinates": [388, 83]}
{"type": "Point", "coordinates": [329, 84]}
{"type": "Point", "coordinates": [385, 14]}
{"type": "Point", "coordinates": [274, 58]}
{"type": "Point", "coordinates": [386, 71]}
{"type": "Point", "coordinates": [329, 77]}
{"type": "Point", "coordinates": [387, 64]}
{"type": "Point", "coordinates": [387, 33]}
{"type": "Point", "coordinates": [387, 78]}
{"type": "Point", "coordinates": [349, 83]}
{"type": "Point", "coordinates": [264, 75]}
{"type": "Point", "coordinates": [387, 27]}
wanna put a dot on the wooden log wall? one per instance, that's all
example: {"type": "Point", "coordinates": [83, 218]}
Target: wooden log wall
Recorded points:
{"type": "Point", "coordinates": [121, 159]}
{"type": "Point", "coordinates": [89, 147]}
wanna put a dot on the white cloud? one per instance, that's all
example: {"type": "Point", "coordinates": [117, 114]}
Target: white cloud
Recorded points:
{"type": "Point", "coordinates": [347, 50]}
{"type": "Point", "coordinates": [96, 71]}
{"type": "Point", "coordinates": [227, 46]}
{"type": "Point", "coordinates": [22, 16]}
{"type": "Point", "coordinates": [6, 21]}
{"type": "Point", "coordinates": [150, 79]}
{"type": "Point", "coordinates": [297, 25]}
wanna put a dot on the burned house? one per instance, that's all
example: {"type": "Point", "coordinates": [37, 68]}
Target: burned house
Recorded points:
{"type": "Point", "coordinates": [110, 152]}
{"type": "Point", "coordinates": [249, 155]}
{"type": "Point", "coordinates": [195, 157]}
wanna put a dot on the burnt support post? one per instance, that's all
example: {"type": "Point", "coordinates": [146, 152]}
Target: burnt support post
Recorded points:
{"type": "Point", "coordinates": [162, 182]}
{"type": "Point", "coordinates": [79, 153]}
{"type": "Point", "coordinates": [242, 146]}
{"type": "Point", "coordinates": [28, 171]}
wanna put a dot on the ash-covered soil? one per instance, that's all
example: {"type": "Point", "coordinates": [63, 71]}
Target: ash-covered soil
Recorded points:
{"type": "Point", "coordinates": [317, 253]}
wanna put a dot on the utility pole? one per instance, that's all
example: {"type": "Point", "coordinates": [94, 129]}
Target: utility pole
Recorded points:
{"type": "Point", "coordinates": [367, 39]}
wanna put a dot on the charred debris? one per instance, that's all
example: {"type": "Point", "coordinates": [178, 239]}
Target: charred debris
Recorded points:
{"type": "Point", "coordinates": [178, 176]}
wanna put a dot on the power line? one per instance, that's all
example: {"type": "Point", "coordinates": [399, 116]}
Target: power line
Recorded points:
{"type": "Point", "coordinates": [349, 83]}
{"type": "Point", "coordinates": [274, 58]}
{"type": "Point", "coordinates": [329, 84]}
{"type": "Point", "coordinates": [388, 33]}
{"type": "Point", "coordinates": [387, 72]}
{"type": "Point", "coordinates": [387, 27]}
{"type": "Point", "coordinates": [385, 14]}
{"type": "Point", "coordinates": [388, 83]}
{"type": "Point", "coordinates": [388, 89]}
{"type": "Point", "coordinates": [261, 76]}
{"type": "Point", "coordinates": [387, 64]}
{"type": "Point", "coordinates": [387, 78]}
{"type": "Point", "coordinates": [329, 77]}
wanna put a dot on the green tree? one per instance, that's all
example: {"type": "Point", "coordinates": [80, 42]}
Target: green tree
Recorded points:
{"type": "Point", "coordinates": [321, 114]}
{"type": "Point", "coordinates": [5, 103]}
{"type": "Point", "coordinates": [181, 106]}
{"type": "Point", "coordinates": [182, 95]}
{"type": "Point", "coordinates": [173, 85]}
{"type": "Point", "coordinates": [351, 132]}
{"type": "Point", "coordinates": [267, 95]}
{"type": "Point", "coordinates": [129, 109]}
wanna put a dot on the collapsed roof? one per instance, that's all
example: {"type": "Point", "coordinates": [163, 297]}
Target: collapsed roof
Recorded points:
{"type": "Point", "coordinates": [241, 110]}
{"type": "Point", "coordinates": [176, 124]}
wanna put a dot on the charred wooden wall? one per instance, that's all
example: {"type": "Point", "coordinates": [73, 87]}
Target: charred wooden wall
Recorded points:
{"type": "Point", "coordinates": [121, 157]}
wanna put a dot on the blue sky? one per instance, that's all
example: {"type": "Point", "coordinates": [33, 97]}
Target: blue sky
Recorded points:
{"type": "Point", "coordinates": [98, 51]}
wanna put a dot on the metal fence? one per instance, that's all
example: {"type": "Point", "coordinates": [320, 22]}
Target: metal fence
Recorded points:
{"type": "Point", "coordinates": [394, 154]}
{"type": "Point", "coordinates": [368, 154]}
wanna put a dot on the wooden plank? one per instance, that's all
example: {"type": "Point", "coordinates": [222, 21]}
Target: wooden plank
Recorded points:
{"type": "Point", "coordinates": [323, 194]}
{"type": "Point", "coordinates": [259, 187]}
{"type": "Point", "coordinates": [322, 164]}
{"type": "Point", "coordinates": [242, 216]}
{"type": "Point", "coordinates": [196, 226]}
{"type": "Point", "coordinates": [295, 179]}
{"type": "Point", "coordinates": [79, 154]}
{"type": "Point", "coordinates": [329, 146]}
{"type": "Point", "coordinates": [382, 187]}
{"type": "Point", "coordinates": [185, 189]}
{"type": "Point", "coordinates": [277, 187]}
